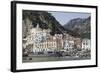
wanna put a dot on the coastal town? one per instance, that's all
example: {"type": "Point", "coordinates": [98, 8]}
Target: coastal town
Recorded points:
{"type": "Point", "coordinates": [40, 42]}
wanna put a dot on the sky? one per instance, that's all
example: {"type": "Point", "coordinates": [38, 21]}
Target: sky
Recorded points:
{"type": "Point", "coordinates": [64, 17]}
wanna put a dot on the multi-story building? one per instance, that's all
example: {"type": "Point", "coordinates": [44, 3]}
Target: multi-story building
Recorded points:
{"type": "Point", "coordinates": [60, 41]}
{"type": "Point", "coordinates": [48, 45]}
{"type": "Point", "coordinates": [40, 40]}
{"type": "Point", "coordinates": [68, 45]}
{"type": "Point", "coordinates": [86, 44]}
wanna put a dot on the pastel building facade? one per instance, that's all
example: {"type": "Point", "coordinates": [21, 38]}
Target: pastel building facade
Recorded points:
{"type": "Point", "coordinates": [40, 40]}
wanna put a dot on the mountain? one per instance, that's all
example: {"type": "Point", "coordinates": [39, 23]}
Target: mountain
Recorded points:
{"type": "Point", "coordinates": [45, 21]}
{"type": "Point", "coordinates": [80, 26]}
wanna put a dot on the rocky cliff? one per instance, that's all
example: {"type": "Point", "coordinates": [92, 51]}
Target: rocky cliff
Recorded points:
{"type": "Point", "coordinates": [80, 26]}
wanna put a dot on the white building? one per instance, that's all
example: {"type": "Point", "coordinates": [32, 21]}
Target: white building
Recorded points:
{"type": "Point", "coordinates": [41, 40]}
{"type": "Point", "coordinates": [86, 44]}
{"type": "Point", "coordinates": [68, 45]}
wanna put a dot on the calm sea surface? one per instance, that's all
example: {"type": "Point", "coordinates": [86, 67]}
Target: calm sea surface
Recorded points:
{"type": "Point", "coordinates": [50, 58]}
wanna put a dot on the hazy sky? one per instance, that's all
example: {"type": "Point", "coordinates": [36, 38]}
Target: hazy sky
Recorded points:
{"type": "Point", "coordinates": [64, 17]}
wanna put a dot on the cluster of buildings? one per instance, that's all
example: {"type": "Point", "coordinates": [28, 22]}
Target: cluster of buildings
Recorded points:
{"type": "Point", "coordinates": [40, 40]}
